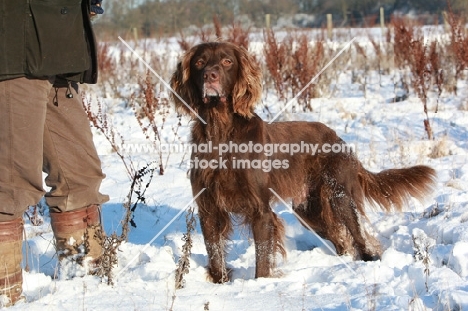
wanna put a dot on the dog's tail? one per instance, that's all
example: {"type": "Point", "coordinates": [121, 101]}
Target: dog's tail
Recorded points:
{"type": "Point", "coordinates": [391, 189]}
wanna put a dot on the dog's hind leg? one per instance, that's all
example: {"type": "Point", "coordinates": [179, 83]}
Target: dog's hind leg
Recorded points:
{"type": "Point", "coordinates": [346, 211]}
{"type": "Point", "coordinates": [216, 230]}
{"type": "Point", "coordinates": [268, 233]}
{"type": "Point", "coordinates": [316, 214]}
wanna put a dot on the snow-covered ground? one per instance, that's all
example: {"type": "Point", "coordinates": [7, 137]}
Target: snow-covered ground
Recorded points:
{"type": "Point", "coordinates": [425, 260]}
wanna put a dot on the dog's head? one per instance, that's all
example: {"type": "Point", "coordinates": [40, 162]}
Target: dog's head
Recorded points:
{"type": "Point", "coordinates": [217, 73]}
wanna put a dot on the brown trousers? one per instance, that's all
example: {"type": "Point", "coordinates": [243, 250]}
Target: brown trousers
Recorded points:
{"type": "Point", "coordinates": [41, 130]}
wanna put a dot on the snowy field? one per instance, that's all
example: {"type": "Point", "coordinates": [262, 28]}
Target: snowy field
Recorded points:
{"type": "Point", "coordinates": [425, 260]}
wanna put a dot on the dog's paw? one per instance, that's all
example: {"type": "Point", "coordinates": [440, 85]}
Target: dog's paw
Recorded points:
{"type": "Point", "coordinates": [219, 277]}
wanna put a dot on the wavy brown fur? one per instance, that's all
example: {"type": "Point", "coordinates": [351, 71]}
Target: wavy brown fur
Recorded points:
{"type": "Point", "coordinates": [391, 189]}
{"type": "Point", "coordinates": [328, 189]}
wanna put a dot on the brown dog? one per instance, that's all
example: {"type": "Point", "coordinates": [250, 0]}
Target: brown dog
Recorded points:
{"type": "Point", "coordinates": [238, 159]}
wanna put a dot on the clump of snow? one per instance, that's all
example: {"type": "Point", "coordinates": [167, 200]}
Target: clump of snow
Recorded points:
{"type": "Point", "coordinates": [460, 258]}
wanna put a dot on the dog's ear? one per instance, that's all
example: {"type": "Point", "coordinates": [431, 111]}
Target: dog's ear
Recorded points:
{"type": "Point", "coordinates": [247, 91]}
{"type": "Point", "coordinates": [181, 84]}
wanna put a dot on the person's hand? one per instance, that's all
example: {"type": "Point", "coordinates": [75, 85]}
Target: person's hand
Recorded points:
{"type": "Point", "coordinates": [96, 7]}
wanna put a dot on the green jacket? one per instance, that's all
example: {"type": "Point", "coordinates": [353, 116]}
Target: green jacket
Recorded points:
{"type": "Point", "coordinates": [41, 38]}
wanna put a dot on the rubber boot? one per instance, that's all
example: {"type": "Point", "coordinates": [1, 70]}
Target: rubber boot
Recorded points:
{"type": "Point", "coordinates": [11, 276]}
{"type": "Point", "coordinates": [78, 238]}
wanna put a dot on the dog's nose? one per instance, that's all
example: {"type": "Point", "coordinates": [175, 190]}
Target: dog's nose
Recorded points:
{"type": "Point", "coordinates": [211, 75]}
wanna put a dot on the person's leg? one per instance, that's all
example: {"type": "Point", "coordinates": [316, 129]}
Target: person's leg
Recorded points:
{"type": "Point", "coordinates": [74, 175]}
{"type": "Point", "coordinates": [71, 162]}
{"type": "Point", "coordinates": [23, 104]}
{"type": "Point", "coordinates": [11, 275]}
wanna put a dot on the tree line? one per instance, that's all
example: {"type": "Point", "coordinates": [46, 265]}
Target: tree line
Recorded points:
{"type": "Point", "coordinates": [160, 17]}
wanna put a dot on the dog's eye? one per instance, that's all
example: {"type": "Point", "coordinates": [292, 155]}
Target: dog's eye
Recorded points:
{"type": "Point", "coordinates": [200, 63]}
{"type": "Point", "coordinates": [226, 62]}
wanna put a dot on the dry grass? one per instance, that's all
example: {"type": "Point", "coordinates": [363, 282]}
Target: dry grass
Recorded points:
{"type": "Point", "coordinates": [306, 62]}
{"type": "Point", "coordinates": [424, 66]}
{"type": "Point", "coordinates": [140, 178]}
{"type": "Point", "coordinates": [108, 261]}
{"type": "Point", "coordinates": [458, 43]}
{"type": "Point", "coordinates": [100, 120]}
{"type": "Point", "coordinates": [235, 34]}
{"type": "Point", "coordinates": [422, 60]}
{"type": "Point", "coordinates": [183, 264]}
{"type": "Point", "coordinates": [151, 112]}
{"type": "Point", "coordinates": [292, 64]}
{"type": "Point", "coordinates": [276, 61]}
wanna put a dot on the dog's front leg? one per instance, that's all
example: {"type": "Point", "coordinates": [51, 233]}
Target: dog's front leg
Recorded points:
{"type": "Point", "coordinates": [214, 233]}
{"type": "Point", "coordinates": [268, 232]}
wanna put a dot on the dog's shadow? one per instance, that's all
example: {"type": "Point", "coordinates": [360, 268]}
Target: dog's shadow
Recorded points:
{"type": "Point", "coordinates": [299, 238]}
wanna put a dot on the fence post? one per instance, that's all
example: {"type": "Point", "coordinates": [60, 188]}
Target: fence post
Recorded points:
{"type": "Point", "coordinates": [267, 20]}
{"type": "Point", "coordinates": [329, 25]}
{"type": "Point", "coordinates": [446, 20]}
{"type": "Point", "coordinates": [135, 33]}
{"type": "Point", "coordinates": [382, 18]}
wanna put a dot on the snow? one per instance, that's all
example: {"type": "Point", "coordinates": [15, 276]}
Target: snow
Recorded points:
{"type": "Point", "coordinates": [425, 260]}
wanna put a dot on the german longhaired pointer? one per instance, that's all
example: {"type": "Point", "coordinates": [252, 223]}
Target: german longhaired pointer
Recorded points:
{"type": "Point", "coordinates": [222, 83]}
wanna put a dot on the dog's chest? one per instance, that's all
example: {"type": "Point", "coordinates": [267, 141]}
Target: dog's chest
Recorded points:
{"type": "Point", "coordinates": [227, 180]}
